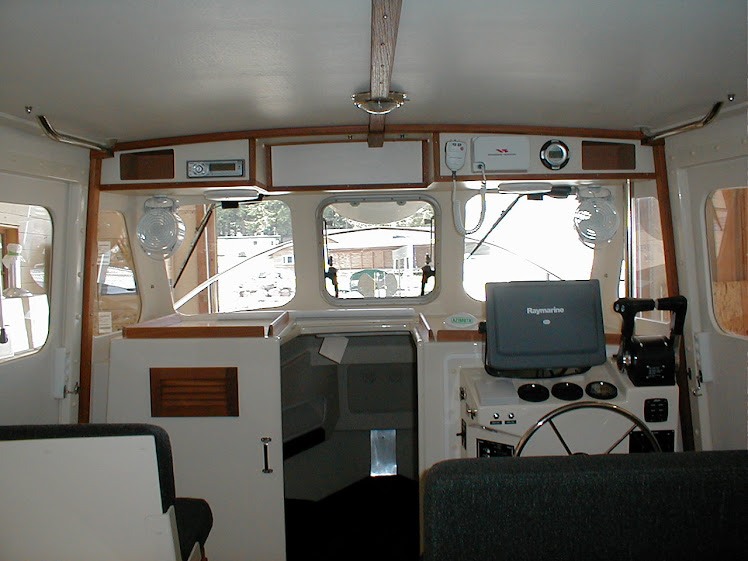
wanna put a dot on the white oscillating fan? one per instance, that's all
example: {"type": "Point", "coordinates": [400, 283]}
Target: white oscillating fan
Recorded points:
{"type": "Point", "coordinates": [596, 219]}
{"type": "Point", "coordinates": [161, 230]}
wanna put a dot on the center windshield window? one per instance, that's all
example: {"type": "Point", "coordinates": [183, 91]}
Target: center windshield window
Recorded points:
{"type": "Point", "coordinates": [527, 237]}
{"type": "Point", "coordinates": [378, 248]}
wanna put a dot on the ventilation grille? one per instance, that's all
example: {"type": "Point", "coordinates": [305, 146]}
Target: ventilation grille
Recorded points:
{"type": "Point", "coordinates": [194, 392]}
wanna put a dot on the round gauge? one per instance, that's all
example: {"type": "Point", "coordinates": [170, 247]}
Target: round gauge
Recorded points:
{"type": "Point", "coordinates": [567, 391]}
{"type": "Point", "coordinates": [602, 390]}
{"type": "Point", "coordinates": [554, 154]}
{"type": "Point", "coordinates": [533, 392]}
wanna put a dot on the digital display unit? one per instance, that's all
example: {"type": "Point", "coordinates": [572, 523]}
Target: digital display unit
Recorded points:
{"type": "Point", "coordinates": [543, 325]}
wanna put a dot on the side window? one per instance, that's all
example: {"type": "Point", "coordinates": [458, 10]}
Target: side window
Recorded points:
{"type": "Point", "coordinates": [727, 239]}
{"type": "Point", "coordinates": [244, 259]}
{"type": "Point", "coordinates": [117, 301]}
{"type": "Point", "coordinates": [378, 248]}
{"type": "Point", "coordinates": [26, 237]}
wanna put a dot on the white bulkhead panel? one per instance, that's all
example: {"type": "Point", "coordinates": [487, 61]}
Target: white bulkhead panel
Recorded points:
{"type": "Point", "coordinates": [515, 159]}
{"type": "Point", "coordinates": [203, 151]}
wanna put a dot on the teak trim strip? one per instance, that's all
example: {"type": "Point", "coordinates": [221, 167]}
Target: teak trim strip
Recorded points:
{"type": "Point", "coordinates": [385, 20]}
{"type": "Point", "coordinates": [455, 335]}
{"type": "Point", "coordinates": [89, 287]}
{"type": "Point", "coordinates": [172, 327]}
{"type": "Point", "coordinates": [547, 176]}
{"type": "Point", "coordinates": [424, 329]}
{"type": "Point", "coordinates": [363, 129]}
{"type": "Point", "coordinates": [173, 185]}
{"type": "Point", "coordinates": [666, 219]}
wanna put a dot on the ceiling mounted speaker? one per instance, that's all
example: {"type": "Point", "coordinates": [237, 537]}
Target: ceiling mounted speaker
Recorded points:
{"type": "Point", "coordinates": [596, 219]}
{"type": "Point", "coordinates": [161, 230]}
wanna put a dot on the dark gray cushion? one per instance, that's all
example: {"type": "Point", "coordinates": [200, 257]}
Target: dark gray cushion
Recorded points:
{"type": "Point", "coordinates": [683, 506]}
{"type": "Point", "coordinates": [194, 522]}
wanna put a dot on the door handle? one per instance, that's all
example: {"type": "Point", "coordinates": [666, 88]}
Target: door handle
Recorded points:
{"type": "Point", "coordinates": [266, 440]}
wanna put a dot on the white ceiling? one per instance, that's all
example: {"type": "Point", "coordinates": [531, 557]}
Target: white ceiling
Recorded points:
{"type": "Point", "coordinates": [139, 69]}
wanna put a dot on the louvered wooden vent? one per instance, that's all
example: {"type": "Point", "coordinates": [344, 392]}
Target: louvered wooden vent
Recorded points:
{"type": "Point", "coordinates": [194, 392]}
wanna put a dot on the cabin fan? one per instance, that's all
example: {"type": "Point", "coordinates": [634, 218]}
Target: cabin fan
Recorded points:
{"type": "Point", "coordinates": [161, 230]}
{"type": "Point", "coordinates": [596, 219]}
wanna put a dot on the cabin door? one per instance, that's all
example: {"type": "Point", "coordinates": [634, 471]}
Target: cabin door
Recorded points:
{"type": "Point", "coordinates": [39, 227]}
{"type": "Point", "coordinates": [712, 236]}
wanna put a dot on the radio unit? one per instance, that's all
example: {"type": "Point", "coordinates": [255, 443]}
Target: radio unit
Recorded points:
{"type": "Point", "coordinates": [215, 168]}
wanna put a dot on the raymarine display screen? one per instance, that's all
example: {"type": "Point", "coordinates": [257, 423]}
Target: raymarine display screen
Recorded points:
{"type": "Point", "coordinates": [543, 325]}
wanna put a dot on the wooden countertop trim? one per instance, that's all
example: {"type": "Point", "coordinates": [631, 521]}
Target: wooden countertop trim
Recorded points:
{"type": "Point", "coordinates": [172, 327]}
{"type": "Point", "coordinates": [427, 334]}
{"type": "Point", "coordinates": [446, 335]}
{"type": "Point", "coordinates": [449, 335]}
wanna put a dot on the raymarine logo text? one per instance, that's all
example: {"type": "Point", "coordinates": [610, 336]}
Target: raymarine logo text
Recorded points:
{"type": "Point", "coordinates": [540, 311]}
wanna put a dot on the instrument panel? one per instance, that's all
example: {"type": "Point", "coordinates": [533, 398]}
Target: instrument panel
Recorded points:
{"type": "Point", "coordinates": [496, 412]}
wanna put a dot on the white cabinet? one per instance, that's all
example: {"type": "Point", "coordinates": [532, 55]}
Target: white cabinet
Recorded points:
{"type": "Point", "coordinates": [220, 459]}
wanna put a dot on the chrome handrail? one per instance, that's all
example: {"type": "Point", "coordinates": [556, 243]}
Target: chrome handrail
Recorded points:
{"type": "Point", "coordinates": [69, 139]}
{"type": "Point", "coordinates": [649, 138]}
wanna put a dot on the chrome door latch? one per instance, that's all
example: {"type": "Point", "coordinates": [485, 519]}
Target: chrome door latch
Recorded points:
{"type": "Point", "coordinates": [266, 440]}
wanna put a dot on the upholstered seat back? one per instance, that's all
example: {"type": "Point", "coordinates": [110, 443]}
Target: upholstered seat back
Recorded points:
{"type": "Point", "coordinates": [690, 505]}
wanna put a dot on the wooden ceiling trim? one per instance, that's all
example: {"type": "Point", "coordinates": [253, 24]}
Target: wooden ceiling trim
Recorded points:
{"type": "Point", "coordinates": [362, 129]}
{"type": "Point", "coordinates": [385, 19]}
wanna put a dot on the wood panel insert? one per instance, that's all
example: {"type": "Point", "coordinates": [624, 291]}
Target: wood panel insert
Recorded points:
{"type": "Point", "coordinates": [608, 155]}
{"type": "Point", "coordinates": [154, 164]}
{"type": "Point", "coordinates": [172, 327]}
{"type": "Point", "coordinates": [194, 392]}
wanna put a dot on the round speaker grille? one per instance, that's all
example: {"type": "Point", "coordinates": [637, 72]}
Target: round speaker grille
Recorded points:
{"type": "Point", "coordinates": [160, 231]}
{"type": "Point", "coordinates": [596, 221]}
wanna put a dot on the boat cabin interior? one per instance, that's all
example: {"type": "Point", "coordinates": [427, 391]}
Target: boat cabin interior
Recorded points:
{"type": "Point", "coordinates": [354, 276]}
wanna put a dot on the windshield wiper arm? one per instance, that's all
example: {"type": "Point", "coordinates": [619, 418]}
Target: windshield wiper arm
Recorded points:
{"type": "Point", "coordinates": [198, 233]}
{"type": "Point", "coordinates": [503, 214]}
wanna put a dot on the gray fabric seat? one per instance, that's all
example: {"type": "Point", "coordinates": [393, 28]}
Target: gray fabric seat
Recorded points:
{"type": "Point", "coordinates": [684, 506]}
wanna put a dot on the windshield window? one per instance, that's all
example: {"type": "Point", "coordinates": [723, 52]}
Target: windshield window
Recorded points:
{"type": "Point", "coordinates": [536, 240]}
{"type": "Point", "coordinates": [376, 249]}
{"type": "Point", "coordinates": [244, 259]}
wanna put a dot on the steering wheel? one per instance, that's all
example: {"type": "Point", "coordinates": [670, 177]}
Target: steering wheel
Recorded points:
{"type": "Point", "coordinates": [548, 418]}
